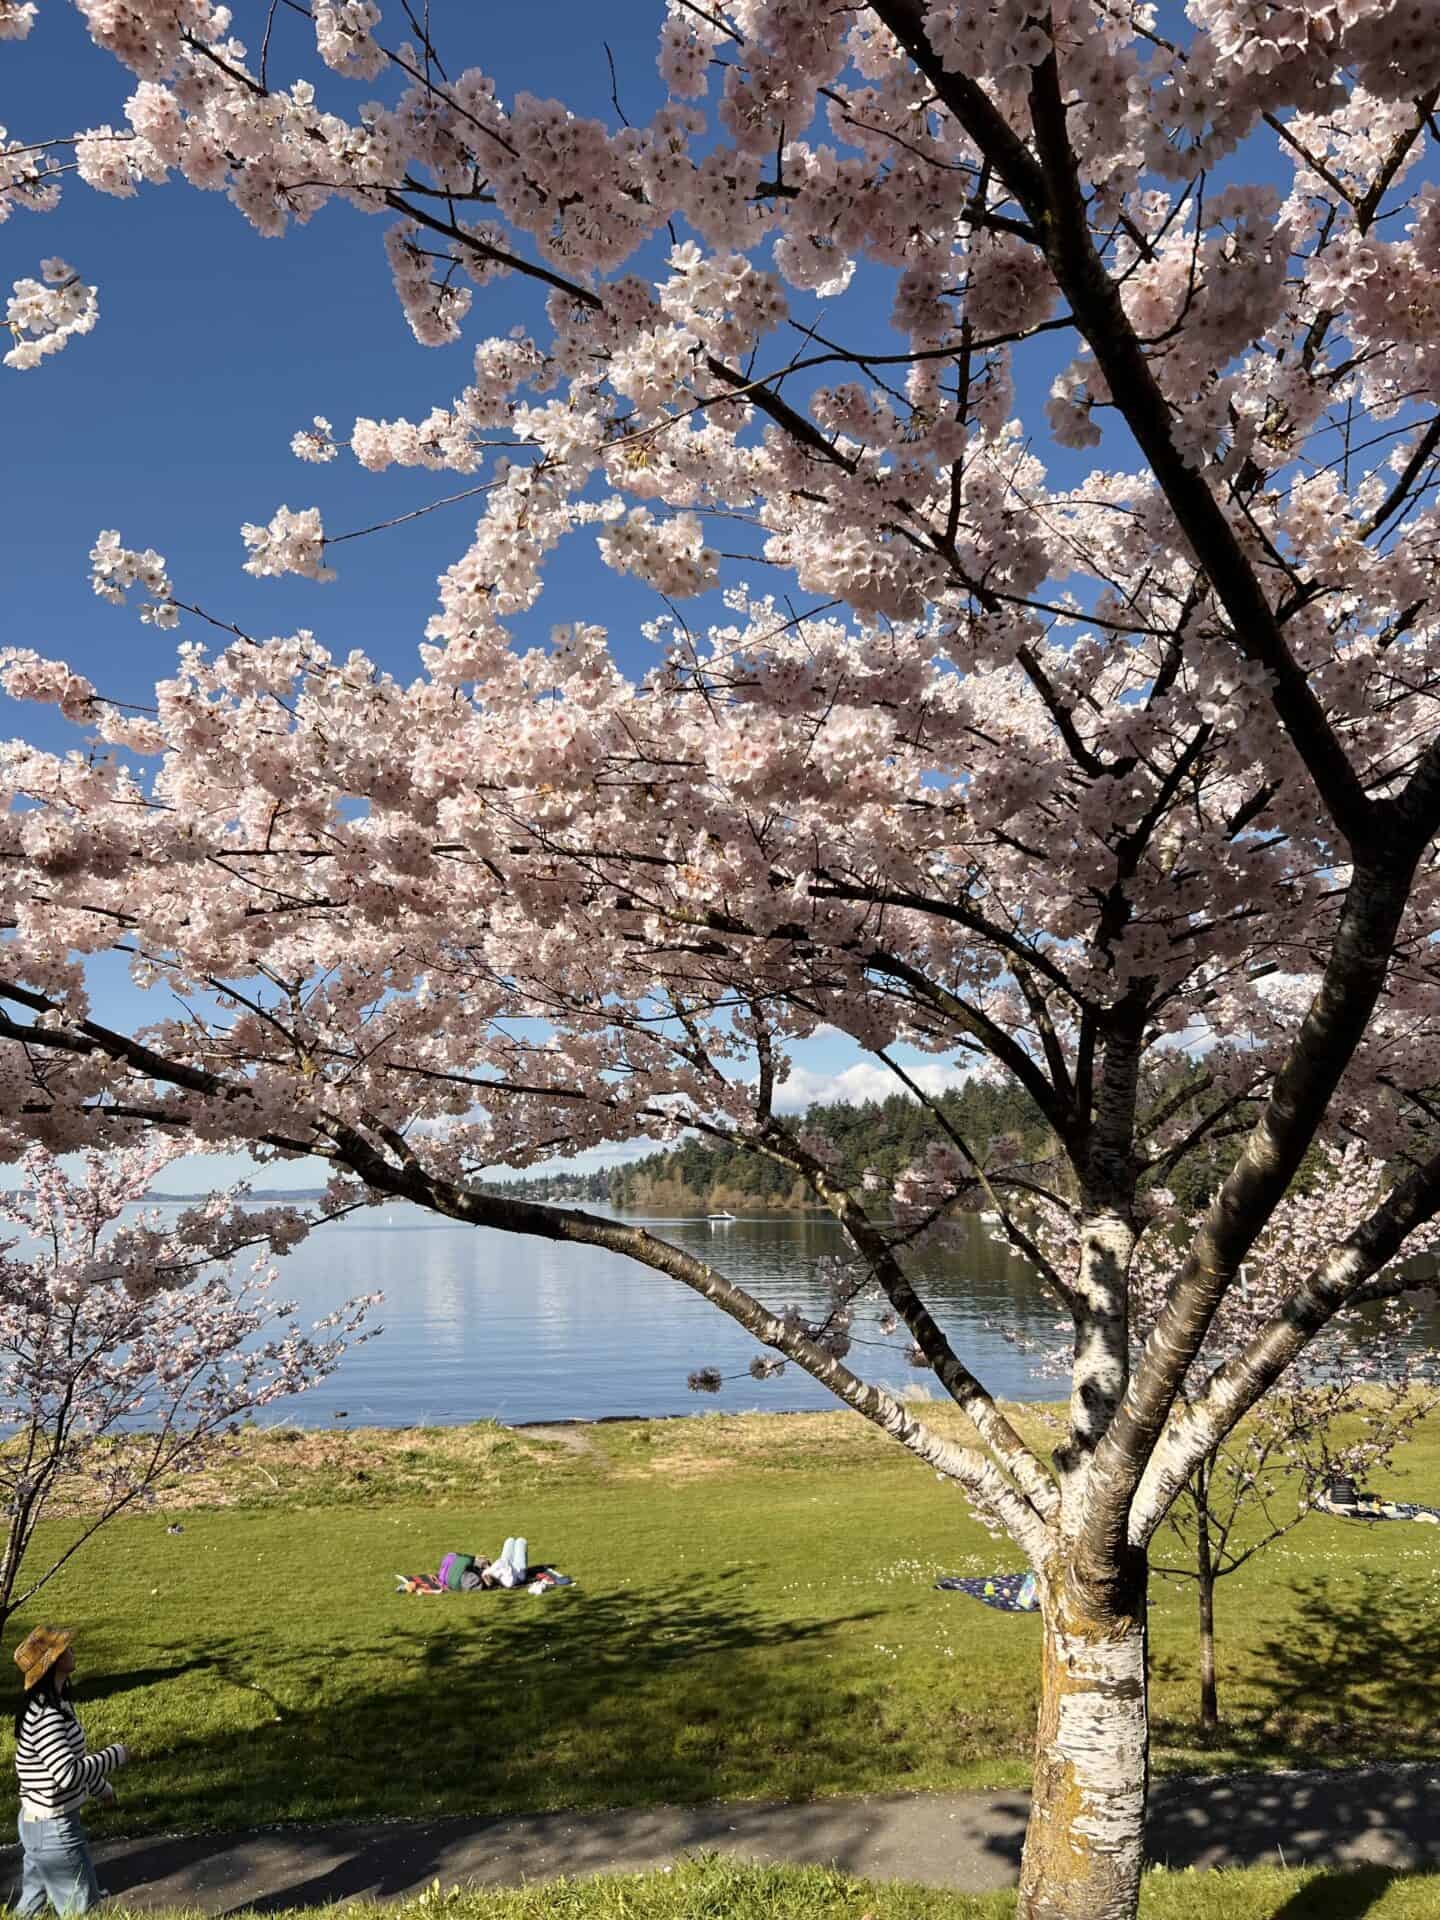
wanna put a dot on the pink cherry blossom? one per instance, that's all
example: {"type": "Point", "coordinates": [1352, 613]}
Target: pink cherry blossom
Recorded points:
{"type": "Point", "coordinates": [16, 18]}
{"type": "Point", "coordinates": [290, 543]}
{"type": "Point", "coordinates": [122, 1323]}
{"type": "Point", "coordinates": [45, 315]}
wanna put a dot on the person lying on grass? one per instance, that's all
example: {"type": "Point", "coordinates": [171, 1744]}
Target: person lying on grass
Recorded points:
{"type": "Point", "coordinates": [464, 1572]}
{"type": "Point", "coordinates": [472, 1573]}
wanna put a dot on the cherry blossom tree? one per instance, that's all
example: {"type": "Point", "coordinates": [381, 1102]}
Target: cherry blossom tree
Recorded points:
{"type": "Point", "coordinates": [1072, 774]}
{"type": "Point", "coordinates": [128, 1348]}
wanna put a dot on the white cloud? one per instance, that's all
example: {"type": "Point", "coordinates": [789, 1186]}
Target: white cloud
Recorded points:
{"type": "Point", "coordinates": [863, 1081]}
{"type": "Point", "coordinates": [593, 1160]}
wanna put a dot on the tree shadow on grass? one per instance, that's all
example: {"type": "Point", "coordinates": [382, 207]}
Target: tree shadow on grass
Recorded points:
{"type": "Point", "coordinates": [681, 1692]}
{"type": "Point", "coordinates": [1349, 1675]}
{"type": "Point", "coordinates": [1351, 1669]}
{"type": "Point", "coordinates": [1357, 1656]}
{"type": "Point", "coordinates": [107, 1686]}
{"type": "Point", "coordinates": [1338, 1896]}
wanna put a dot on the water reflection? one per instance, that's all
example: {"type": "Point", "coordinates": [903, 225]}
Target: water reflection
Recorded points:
{"type": "Point", "coordinates": [480, 1324]}
{"type": "Point", "coordinates": [486, 1324]}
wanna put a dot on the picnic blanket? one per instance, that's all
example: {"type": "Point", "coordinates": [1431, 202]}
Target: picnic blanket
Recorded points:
{"type": "Point", "coordinates": [1351, 1504]}
{"type": "Point", "coordinates": [1006, 1592]}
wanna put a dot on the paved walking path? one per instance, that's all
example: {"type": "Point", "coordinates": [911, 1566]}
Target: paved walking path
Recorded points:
{"type": "Point", "coordinates": [1383, 1816]}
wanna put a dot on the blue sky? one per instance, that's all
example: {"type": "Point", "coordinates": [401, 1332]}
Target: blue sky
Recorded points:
{"type": "Point", "coordinates": [171, 421]}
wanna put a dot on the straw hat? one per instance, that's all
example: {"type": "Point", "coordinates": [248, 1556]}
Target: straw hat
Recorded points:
{"type": "Point", "coordinates": [39, 1651]}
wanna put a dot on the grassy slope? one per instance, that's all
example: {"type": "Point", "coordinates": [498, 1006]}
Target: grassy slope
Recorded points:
{"type": "Point", "coordinates": [755, 1615]}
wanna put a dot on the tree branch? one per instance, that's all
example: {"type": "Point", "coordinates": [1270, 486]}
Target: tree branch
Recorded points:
{"type": "Point", "coordinates": [1049, 191]}
{"type": "Point", "coordinates": [1233, 1389]}
{"type": "Point", "coordinates": [979, 1477]}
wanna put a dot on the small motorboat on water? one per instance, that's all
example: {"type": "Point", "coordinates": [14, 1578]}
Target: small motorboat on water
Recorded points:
{"type": "Point", "coordinates": [716, 1218]}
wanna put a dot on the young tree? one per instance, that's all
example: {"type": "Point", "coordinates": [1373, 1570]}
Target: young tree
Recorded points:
{"type": "Point", "coordinates": [1260, 1484]}
{"type": "Point", "coordinates": [128, 1349]}
{"type": "Point", "coordinates": [1056, 770]}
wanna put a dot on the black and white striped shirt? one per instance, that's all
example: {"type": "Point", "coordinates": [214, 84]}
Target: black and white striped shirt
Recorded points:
{"type": "Point", "coordinates": [56, 1773]}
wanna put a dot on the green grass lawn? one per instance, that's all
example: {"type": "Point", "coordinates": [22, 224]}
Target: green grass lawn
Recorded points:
{"type": "Point", "coordinates": [713, 1889]}
{"type": "Point", "coordinates": [754, 1616]}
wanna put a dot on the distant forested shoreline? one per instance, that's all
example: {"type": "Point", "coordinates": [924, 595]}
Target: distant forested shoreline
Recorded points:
{"type": "Point", "coordinates": [878, 1137]}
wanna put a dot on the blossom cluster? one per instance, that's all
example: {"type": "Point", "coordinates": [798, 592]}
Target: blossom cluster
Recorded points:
{"type": "Point", "coordinates": [315, 443]}
{"type": "Point", "coordinates": [1201, 277]}
{"type": "Point", "coordinates": [45, 315]}
{"type": "Point", "coordinates": [291, 542]}
{"type": "Point", "coordinates": [117, 1317]}
{"type": "Point", "coordinates": [17, 17]}
{"type": "Point", "coordinates": [670, 554]}
{"type": "Point", "coordinates": [116, 1312]}
{"type": "Point", "coordinates": [344, 37]}
{"type": "Point", "coordinates": [25, 180]}
{"type": "Point", "coordinates": [115, 569]}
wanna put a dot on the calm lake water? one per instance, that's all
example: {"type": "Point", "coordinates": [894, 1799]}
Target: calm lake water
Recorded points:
{"type": "Point", "coordinates": [480, 1324]}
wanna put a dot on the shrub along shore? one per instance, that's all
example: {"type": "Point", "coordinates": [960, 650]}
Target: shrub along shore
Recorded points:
{"type": "Point", "coordinates": [754, 1615]}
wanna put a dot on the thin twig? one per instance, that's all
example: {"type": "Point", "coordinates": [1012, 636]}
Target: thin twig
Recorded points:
{"type": "Point", "coordinates": [488, 486]}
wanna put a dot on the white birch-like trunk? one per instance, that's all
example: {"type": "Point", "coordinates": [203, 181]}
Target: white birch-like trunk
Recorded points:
{"type": "Point", "coordinates": [1100, 1367]}
{"type": "Point", "coordinates": [1085, 1845]}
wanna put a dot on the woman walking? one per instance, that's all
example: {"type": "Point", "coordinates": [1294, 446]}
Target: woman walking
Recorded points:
{"type": "Point", "coordinates": [57, 1777]}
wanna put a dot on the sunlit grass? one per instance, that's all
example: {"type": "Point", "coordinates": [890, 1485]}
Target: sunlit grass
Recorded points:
{"type": "Point", "coordinates": [754, 1615]}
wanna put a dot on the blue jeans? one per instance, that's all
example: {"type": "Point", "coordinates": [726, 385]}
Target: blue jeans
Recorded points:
{"type": "Point", "coordinates": [57, 1866]}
